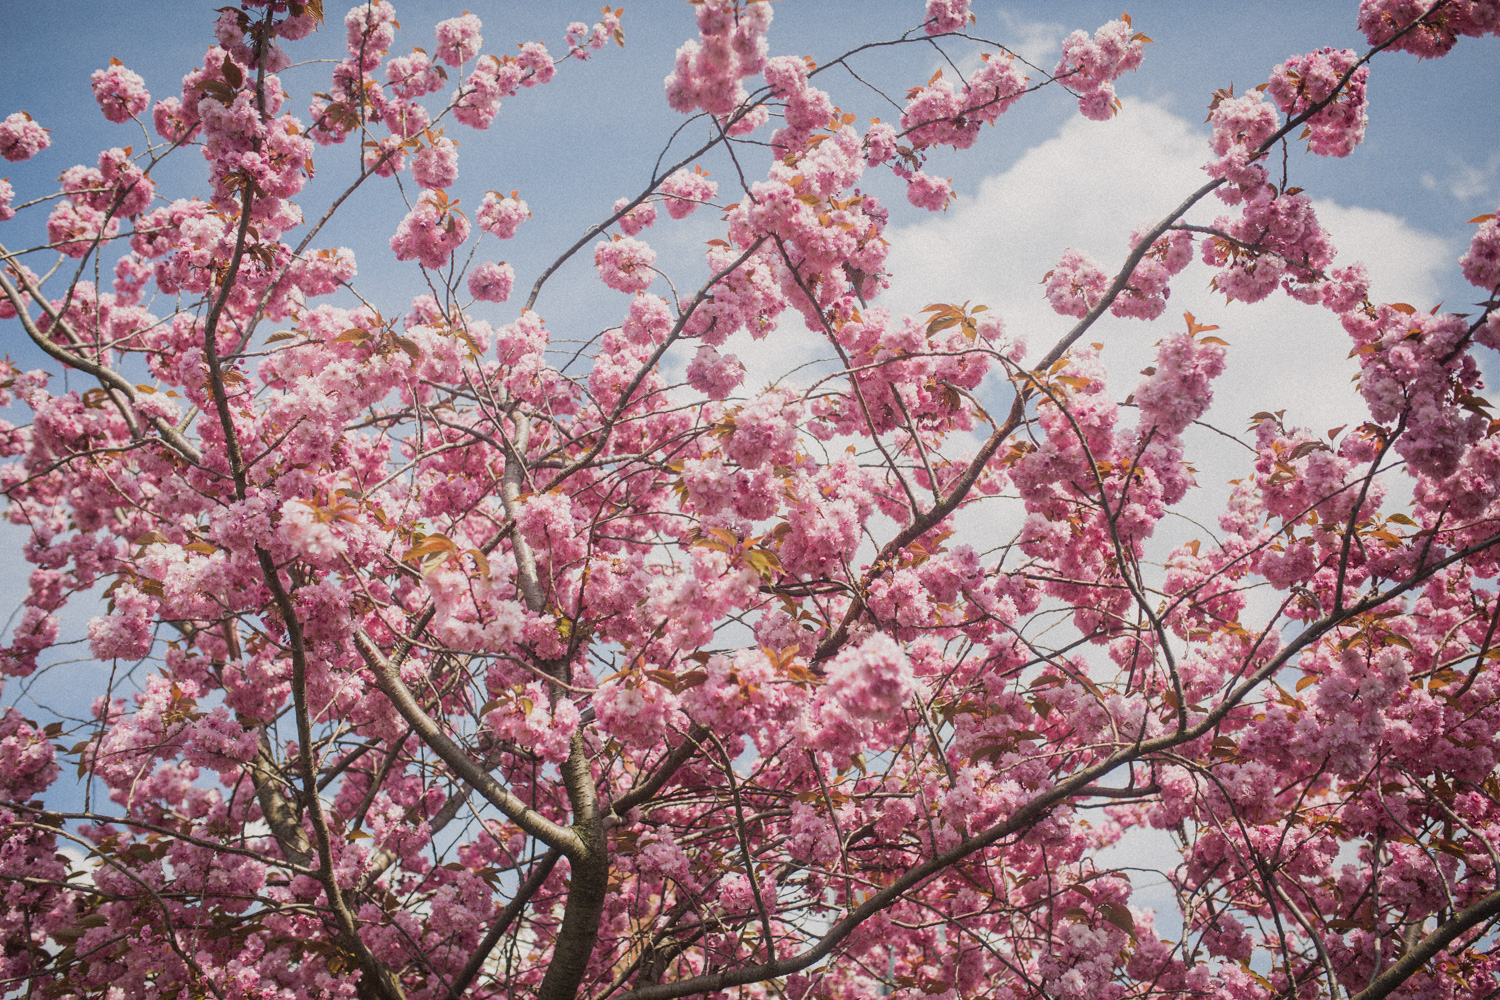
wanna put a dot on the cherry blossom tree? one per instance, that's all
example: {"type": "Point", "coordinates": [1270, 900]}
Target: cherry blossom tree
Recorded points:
{"type": "Point", "coordinates": [452, 662]}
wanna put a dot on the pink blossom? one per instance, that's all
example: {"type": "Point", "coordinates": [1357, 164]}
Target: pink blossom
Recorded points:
{"type": "Point", "coordinates": [1280, 242]}
{"type": "Point", "coordinates": [1481, 263]}
{"type": "Point", "coordinates": [21, 138]}
{"type": "Point", "coordinates": [297, 26]}
{"type": "Point", "coordinates": [430, 232]}
{"type": "Point", "coordinates": [217, 741]}
{"type": "Point", "coordinates": [126, 190]}
{"type": "Point", "coordinates": [880, 143]}
{"type": "Point", "coordinates": [946, 15]}
{"type": "Point", "coordinates": [231, 30]}
{"type": "Point", "coordinates": [74, 229]}
{"type": "Point", "coordinates": [1090, 65]}
{"type": "Point", "coordinates": [478, 102]}
{"type": "Point", "coordinates": [120, 92]}
{"type": "Point", "coordinates": [311, 537]}
{"type": "Point", "coordinates": [1178, 392]}
{"type": "Point", "coordinates": [323, 272]}
{"type": "Point", "coordinates": [583, 39]}
{"type": "Point", "coordinates": [491, 282]}
{"type": "Point", "coordinates": [685, 191]}
{"type": "Point", "coordinates": [576, 35]}
{"type": "Point", "coordinates": [126, 632]}
{"type": "Point", "coordinates": [405, 119]}
{"type": "Point", "coordinates": [765, 430]}
{"type": "Point", "coordinates": [546, 522]}
{"type": "Point", "coordinates": [1241, 126]}
{"type": "Point", "coordinates": [934, 114]}
{"type": "Point", "coordinates": [805, 109]}
{"type": "Point", "coordinates": [1304, 81]}
{"type": "Point", "coordinates": [931, 193]}
{"type": "Point", "coordinates": [1145, 297]}
{"type": "Point", "coordinates": [170, 121]}
{"type": "Point", "coordinates": [532, 720]}
{"type": "Point", "coordinates": [716, 375]}
{"type": "Point", "coordinates": [131, 275]}
{"type": "Point", "coordinates": [625, 264]}
{"type": "Point", "coordinates": [386, 157]}
{"type": "Point", "coordinates": [27, 764]}
{"type": "Point", "coordinates": [36, 631]}
{"type": "Point", "coordinates": [1076, 284]}
{"type": "Point", "coordinates": [536, 64]}
{"type": "Point", "coordinates": [607, 27]}
{"type": "Point", "coordinates": [869, 687]}
{"type": "Point", "coordinates": [648, 320]}
{"type": "Point", "coordinates": [7, 308]}
{"type": "Point", "coordinates": [637, 714]}
{"type": "Point", "coordinates": [413, 76]}
{"type": "Point", "coordinates": [578, 557]}
{"type": "Point", "coordinates": [638, 218]}
{"type": "Point", "coordinates": [992, 89]}
{"type": "Point", "coordinates": [743, 122]}
{"type": "Point", "coordinates": [731, 45]}
{"type": "Point", "coordinates": [501, 215]}
{"type": "Point", "coordinates": [1488, 333]}
{"type": "Point", "coordinates": [369, 30]}
{"type": "Point", "coordinates": [458, 39]}
{"type": "Point", "coordinates": [1381, 20]}
{"type": "Point", "coordinates": [6, 194]}
{"type": "Point", "coordinates": [521, 342]}
{"type": "Point", "coordinates": [1346, 288]}
{"type": "Point", "coordinates": [436, 166]}
{"type": "Point", "coordinates": [1245, 121]}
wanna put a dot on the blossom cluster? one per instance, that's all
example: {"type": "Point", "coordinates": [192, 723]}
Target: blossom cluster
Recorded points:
{"type": "Point", "coordinates": [407, 604]}
{"type": "Point", "coordinates": [21, 137]}
{"type": "Point", "coordinates": [731, 46]}
{"type": "Point", "coordinates": [1089, 66]}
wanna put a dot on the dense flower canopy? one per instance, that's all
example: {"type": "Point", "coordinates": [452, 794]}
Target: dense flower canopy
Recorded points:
{"type": "Point", "coordinates": [468, 662]}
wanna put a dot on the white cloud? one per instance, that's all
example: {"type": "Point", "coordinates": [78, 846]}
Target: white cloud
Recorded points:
{"type": "Point", "coordinates": [1405, 263]}
{"type": "Point", "coordinates": [1038, 42]}
{"type": "Point", "coordinates": [1088, 188]}
{"type": "Point", "coordinates": [1465, 181]}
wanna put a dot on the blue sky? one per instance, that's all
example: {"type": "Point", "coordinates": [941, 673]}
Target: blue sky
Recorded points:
{"type": "Point", "coordinates": [1041, 181]}
{"type": "Point", "coordinates": [574, 146]}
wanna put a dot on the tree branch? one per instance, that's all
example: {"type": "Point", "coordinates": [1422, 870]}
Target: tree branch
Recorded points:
{"type": "Point", "coordinates": [388, 677]}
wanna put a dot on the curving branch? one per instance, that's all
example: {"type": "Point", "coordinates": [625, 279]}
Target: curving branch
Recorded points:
{"type": "Point", "coordinates": [1430, 947]}
{"type": "Point", "coordinates": [388, 677]}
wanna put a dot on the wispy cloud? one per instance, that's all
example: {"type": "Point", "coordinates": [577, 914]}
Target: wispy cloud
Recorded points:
{"type": "Point", "coordinates": [1464, 181]}
{"type": "Point", "coordinates": [1038, 42]}
{"type": "Point", "coordinates": [1089, 187]}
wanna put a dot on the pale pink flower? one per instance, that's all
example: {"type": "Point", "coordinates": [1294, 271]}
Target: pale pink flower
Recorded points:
{"type": "Point", "coordinates": [625, 264]}
{"type": "Point", "coordinates": [946, 15]}
{"type": "Point", "coordinates": [716, 375]}
{"type": "Point", "coordinates": [931, 193]}
{"type": "Point", "coordinates": [501, 215]}
{"type": "Point", "coordinates": [430, 232]}
{"type": "Point", "coordinates": [436, 166]}
{"type": "Point", "coordinates": [21, 138]}
{"type": "Point", "coordinates": [685, 191]}
{"type": "Point", "coordinates": [638, 218]}
{"type": "Point", "coordinates": [491, 282]}
{"type": "Point", "coordinates": [458, 39]}
{"type": "Point", "coordinates": [121, 93]}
